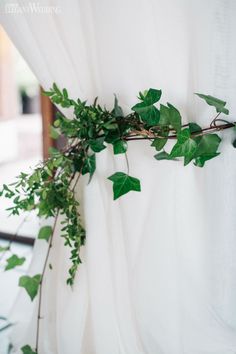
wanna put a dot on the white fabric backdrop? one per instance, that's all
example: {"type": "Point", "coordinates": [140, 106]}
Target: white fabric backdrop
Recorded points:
{"type": "Point", "coordinates": [159, 271]}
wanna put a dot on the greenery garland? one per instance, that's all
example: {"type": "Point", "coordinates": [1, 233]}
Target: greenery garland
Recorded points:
{"type": "Point", "coordinates": [50, 188]}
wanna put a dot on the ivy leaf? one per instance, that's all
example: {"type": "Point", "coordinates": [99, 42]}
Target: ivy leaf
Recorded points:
{"type": "Point", "coordinates": [148, 113]}
{"type": "Point", "coordinates": [146, 109]}
{"type": "Point", "coordinates": [174, 117]}
{"type": "Point", "coordinates": [207, 149]}
{"type": "Point", "coordinates": [111, 136]}
{"type": "Point", "coordinates": [159, 143]}
{"type": "Point", "coordinates": [152, 96]}
{"type": "Point", "coordinates": [14, 261]}
{"type": "Point", "coordinates": [123, 183]}
{"type": "Point", "coordinates": [215, 102]}
{"type": "Point", "coordinates": [31, 284]}
{"type": "Point", "coordinates": [200, 160]}
{"type": "Point", "coordinates": [27, 350]}
{"type": "Point", "coordinates": [89, 166]}
{"type": "Point", "coordinates": [194, 128]}
{"type": "Point", "coordinates": [120, 147]}
{"type": "Point", "coordinates": [164, 115]}
{"type": "Point", "coordinates": [163, 156]}
{"type": "Point", "coordinates": [45, 233]}
{"type": "Point", "coordinates": [117, 111]}
{"type": "Point", "coordinates": [185, 146]}
{"type": "Point", "coordinates": [208, 145]}
{"type": "Point", "coordinates": [97, 145]}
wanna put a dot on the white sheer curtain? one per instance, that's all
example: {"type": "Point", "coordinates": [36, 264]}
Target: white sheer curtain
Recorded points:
{"type": "Point", "coordinates": [159, 270]}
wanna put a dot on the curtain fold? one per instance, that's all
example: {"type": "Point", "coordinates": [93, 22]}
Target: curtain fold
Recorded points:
{"type": "Point", "coordinates": [159, 267]}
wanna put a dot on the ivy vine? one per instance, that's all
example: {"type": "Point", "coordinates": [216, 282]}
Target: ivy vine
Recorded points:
{"type": "Point", "coordinates": [50, 187]}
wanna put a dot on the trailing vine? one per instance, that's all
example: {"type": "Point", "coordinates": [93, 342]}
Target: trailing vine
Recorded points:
{"type": "Point", "coordinates": [50, 187]}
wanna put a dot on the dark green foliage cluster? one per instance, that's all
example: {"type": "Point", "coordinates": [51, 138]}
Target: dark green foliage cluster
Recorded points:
{"type": "Point", "coordinates": [50, 188]}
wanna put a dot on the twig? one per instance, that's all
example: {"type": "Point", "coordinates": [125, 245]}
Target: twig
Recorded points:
{"type": "Point", "coordinates": [204, 131]}
{"type": "Point", "coordinates": [41, 282]}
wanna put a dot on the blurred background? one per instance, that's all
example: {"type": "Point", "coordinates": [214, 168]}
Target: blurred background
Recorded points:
{"type": "Point", "coordinates": [25, 117]}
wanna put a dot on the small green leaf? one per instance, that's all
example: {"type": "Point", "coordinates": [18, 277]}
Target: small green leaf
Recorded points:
{"type": "Point", "coordinates": [163, 156]}
{"type": "Point", "coordinates": [123, 183]}
{"type": "Point", "coordinates": [200, 161]}
{"type": "Point", "coordinates": [194, 128]}
{"type": "Point", "coordinates": [57, 123]}
{"type": "Point", "coordinates": [27, 350]}
{"type": "Point", "coordinates": [89, 166]}
{"type": "Point", "coordinates": [185, 146]}
{"type": "Point", "coordinates": [120, 147]}
{"type": "Point", "coordinates": [54, 133]}
{"type": "Point", "coordinates": [152, 96]}
{"type": "Point", "coordinates": [208, 145]}
{"type": "Point", "coordinates": [48, 93]}
{"type": "Point", "coordinates": [30, 284]}
{"type": "Point", "coordinates": [65, 93]}
{"type": "Point", "coordinates": [56, 89]}
{"type": "Point", "coordinates": [146, 109]}
{"type": "Point", "coordinates": [215, 102]}
{"type": "Point", "coordinates": [164, 115]}
{"type": "Point", "coordinates": [117, 111]}
{"type": "Point", "coordinates": [97, 145]}
{"type": "Point", "coordinates": [159, 143]}
{"type": "Point", "coordinates": [149, 114]}
{"type": "Point", "coordinates": [174, 117]}
{"type": "Point", "coordinates": [14, 261]}
{"type": "Point", "coordinates": [45, 233]}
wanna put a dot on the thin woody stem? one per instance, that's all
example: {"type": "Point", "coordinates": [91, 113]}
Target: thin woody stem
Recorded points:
{"type": "Point", "coordinates": [146, 135]}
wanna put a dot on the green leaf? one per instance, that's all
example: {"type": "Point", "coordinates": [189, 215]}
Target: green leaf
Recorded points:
{"type": "Point", "coordinates": [117, 111]}
{"type": "Point", "coordinates": [207, 149]}
{"type": "Point", "coordinates": [89, 166]}
{"type": "Point", "coordinates": [54, 133]}
{"type": "Point", "coordinates": [149, 113]}
{"type": "Point", "coordinates": [97, 145]}
{"type": "Point", "coordinates": [209, 144]}
{"type": "Point", "coordinates": [152, 96]}
{"type": "Point", "coordinates": [45, 233]}
{"type": "Point", "coordinates": [48, 93]}
{"type": "Point", "coordinates": [159, 143]}
{"type": "Point", "coordinates": [200, 161]}
{"type": "Point", "coordinates": [215, 102]}
{"type": "Point", "coordinates": [27, 350]}
{"type": "Point", "coordinates": [14, 261]}
{"type": "Point", "coordinates": [123, 183]}
{"type": "Point", "coordinates": [164, 115]}
{"type": "Point", "coordinates": [174, 117]}
{"type": "Point", "coordinates": [120, 147]}
{"type": "Point", "coordinates": [185, 146]}
{"type": "Point", "coordinates": [30, 284]}
{"type": "Point", "coordinates": [194, 128]}
{"type": "Point", "coordinates": [163, 156]}
{"type": "Point", "coordinates": [65, 93]}
{"type": "Point", "coordinates": [56, 89]}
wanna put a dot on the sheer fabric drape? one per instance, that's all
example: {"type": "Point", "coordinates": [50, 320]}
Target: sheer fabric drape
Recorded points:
{"type": "Point", "coordinates": [159, 270]}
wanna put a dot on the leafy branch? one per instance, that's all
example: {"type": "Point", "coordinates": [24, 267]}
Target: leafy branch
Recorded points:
{"type": "Point", "coordinates": [50, 187]}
